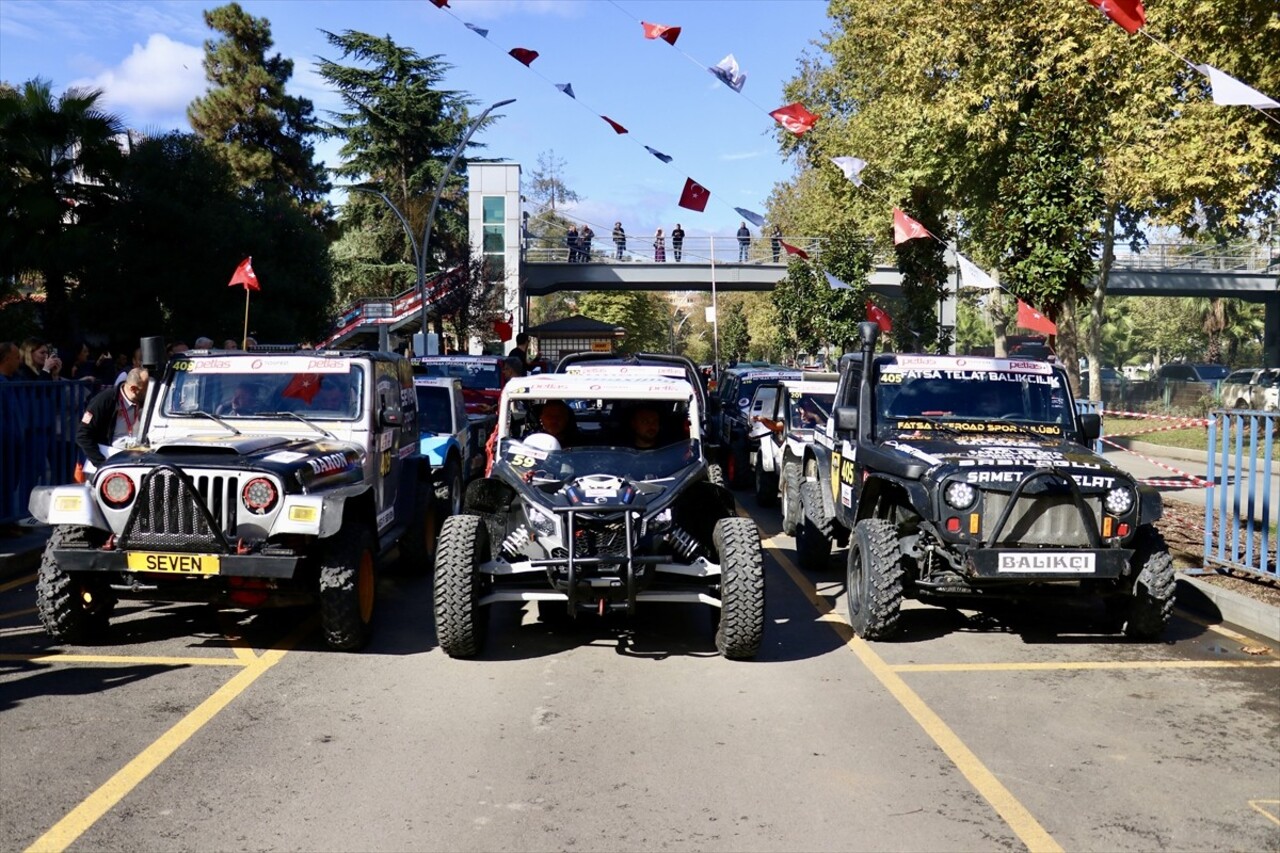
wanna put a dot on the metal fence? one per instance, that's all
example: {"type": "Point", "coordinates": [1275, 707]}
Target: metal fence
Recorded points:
{"type": "Point", "coordinates": [38, 423]}
{"type": "Point", "coordinates": [1238, 519]}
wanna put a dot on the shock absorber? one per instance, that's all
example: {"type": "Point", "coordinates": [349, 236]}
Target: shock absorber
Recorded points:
{"type": "Point", "coordinates": [685, 546]}
{"type": "Point", "coordinates": [514, 542]}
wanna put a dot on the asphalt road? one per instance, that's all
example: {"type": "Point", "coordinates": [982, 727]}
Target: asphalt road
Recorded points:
{"type": "Point", "coordinates": [192, 730]}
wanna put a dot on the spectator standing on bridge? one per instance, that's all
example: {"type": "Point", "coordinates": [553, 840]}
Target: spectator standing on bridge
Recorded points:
{"type": "Point", "coordinates": [744, 241]}
{"type": "Point", "coordinates": [677, 242]}
{"type": "Point", "coordinates": [775, 241]}
{"type": "Point", "coordinates": [659, 247]}
{"type": "Point", "coordinates": [571, 239]}
{"type": "Point", "coordinates": [619, 239]}
{"type": "Point", "coordinates": [584, 254]}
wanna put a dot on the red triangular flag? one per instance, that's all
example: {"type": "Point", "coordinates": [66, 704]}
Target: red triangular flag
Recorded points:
{"type": "Point", "coordinates": [905, 228]}
{"type": "Point", "coordinates": [661, 31]}
{"type": "Point", "coordinates": [795, 118]}
{"type": "Point", "coordinates": [440, 4]}
{"type": "Point", "coordinates": [303, 386]}
{"type": "Point", "coordinates": [879, 316]}
{"type": "Point", "coordinates": [794, 250]}
{"type": "Point", "coordinates": [1129, 14]}
{"type": "Point", "coordinates": [1030, 318]}
{"type": "Point", "coordinates": [245, 275]}
{"type": "Point", "coordinates": [617, 128]}
{"type": "Point", "coordinates": [523, 55]}
{"type": "Point", "coordinates": [695, 195]}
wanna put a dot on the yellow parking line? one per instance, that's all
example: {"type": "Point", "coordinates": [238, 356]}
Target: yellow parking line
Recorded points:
{"type": "Point", "coordinates": [1256, 805]}
{"type": "Point", "coordinates": [14, 614]}
{"type": "Point", "coordinates": [1016, 815]}
{"type": "Point", "coordinates": [17, 582]}
{"type": "Point", "coordinates": [65, 832]}
{"type": "Point", "coordinates": [1087, 664]}
{"type": "Point", "coordinates": [126, 660]}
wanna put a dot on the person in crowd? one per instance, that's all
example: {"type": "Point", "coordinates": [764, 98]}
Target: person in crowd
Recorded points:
{"type": "Point", "coordinates": [175, 348]}
{"type": "Point", "coordinates": [571, 240]}
{"type": "Point", "coordinates": [775, 241]}
{"type": "Point", "coordinates": [250, 343]}
{"type": "Point", "coordinates": [744, 242]}
{"type": "Point", "coordinates": [584, 253]}
{"type": "Point", "coordinates": [659, 247]}
{"type": "Point", "coordinates": [80, 368]}
{"type": "Point", "coordinates": [40, 361]}
{"type": "Point", "coordinates": [204, 342]}
{"type": "Point", "coordinates": [512, 367]}
{"type": "Point", "coordinates": [10, 361]}
{"type": "Point", "coordinates": [521, 350]}
{"type": "Point", "coordinates": [619, 239]}
{"type": "Point", "coordinates": [677, 242]}
{"type": "Point", "coordinates": [556, 418]}
{"type": "Point", "coordinates": [110, 417]}
{"type": "Point", "coordinates": [13, 438]}
{"type": "Point", "coordinates": [230, 344]}
{"type": "Point", "coordinates": [137, 365]}
{"type": "Point", "coordinates": [646, 423]}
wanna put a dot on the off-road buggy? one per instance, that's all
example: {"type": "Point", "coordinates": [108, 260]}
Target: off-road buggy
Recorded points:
{"type": "Point", "coordinates": [254, 479]}
{"type": "Point", "coordinates": [586, 524]}
{"type": "Point", "coordinates": [961, 480]}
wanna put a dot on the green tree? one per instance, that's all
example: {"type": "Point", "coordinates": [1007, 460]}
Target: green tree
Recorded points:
{"type": "Point", "coordinates": [262, 132]}
{"type": "Point", "coordinates": [734, 339]}
{"type": "Point", "coordinates": [472, 301]}
{"type": "Point", "coordinates": [399, 128]}
{"type": "Point", "coordinates": [60, 161]}
{"type": "Point", "coordinates": [817, 315]}
{"type": "Point", "coordinates": [644, 315]}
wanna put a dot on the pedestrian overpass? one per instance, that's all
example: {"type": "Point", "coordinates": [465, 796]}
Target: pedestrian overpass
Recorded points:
{"type": "Point", "coordinates": [713, 263]}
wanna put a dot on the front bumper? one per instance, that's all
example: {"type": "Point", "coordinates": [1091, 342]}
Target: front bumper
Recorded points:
{"type": "Point", "coordinates": [1048, 564]}
{"type": "Point", "coordinates": [278, 567]}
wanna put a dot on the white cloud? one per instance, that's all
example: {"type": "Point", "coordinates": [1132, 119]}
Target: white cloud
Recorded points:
{"type": "Point", "coordinates": [745, 155]}
{"type": "Point", "coordinates": [154, 83]}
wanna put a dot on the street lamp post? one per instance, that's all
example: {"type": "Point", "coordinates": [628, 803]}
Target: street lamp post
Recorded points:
{"type": "Point", "coordinates": [435, 201]}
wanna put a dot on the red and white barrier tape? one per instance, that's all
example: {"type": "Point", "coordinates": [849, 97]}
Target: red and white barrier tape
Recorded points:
{"type": "Point", "coordinates": [1192, 481]}
{"type": "Point", "coordinates": [1151, 430]}
{"type": "Point", "coordinates": [1187, 421]}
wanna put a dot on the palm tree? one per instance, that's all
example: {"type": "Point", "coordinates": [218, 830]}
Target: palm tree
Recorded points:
{"type": "Point", "coordinates": [60, 159]}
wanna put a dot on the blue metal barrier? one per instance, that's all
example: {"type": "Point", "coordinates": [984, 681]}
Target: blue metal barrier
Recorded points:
{"type": "Point", "coordinates": [38, 423]}
{"type": "Point", "coordinates": [1237, 512]}
{"type": "Point", "coordinates": [1091, 407]}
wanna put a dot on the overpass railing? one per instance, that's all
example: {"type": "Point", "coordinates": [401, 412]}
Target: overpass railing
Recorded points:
{"type": "Point", "coordinates": [1239, 522]}
{"type": "Point", "coordinates": [38, 423]}
{"type": "Point", "coordinates": [694, 250]}
{"type": "Point", "coordinates": [1185, 256]}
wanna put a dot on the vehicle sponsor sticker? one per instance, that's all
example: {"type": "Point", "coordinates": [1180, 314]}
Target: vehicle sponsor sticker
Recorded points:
{"type": "Point", "coordinates": [963, 363]}
{"type": "Point", "coordinates": [386, 517]}
{"type": "Point", "coordinates": [264, 364]}
{"type": "Point", "coordinates": [329, 463]}
{"type": "Point", "coordinates": [912, 450]}
{"type": "Point", "coordinates": [673, 371]}
{"type": "Point", "coordinates": [906, 423]}
{"type": "Point", "coordinates": [407, 450]}
{"type": "Point", "coordinates": [846, 494]}
{"type": "Point", "coordinates": [1041, 563]}
{"type": "Point", "coordinates": [284, 457]}
{"type": "Point", "coordinates": [384, 440]}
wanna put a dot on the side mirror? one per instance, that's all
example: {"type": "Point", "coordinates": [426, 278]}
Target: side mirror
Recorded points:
{"type": "Point", "coordinates": [1091, 425]}
{"type": "Point", "coordinates": [390, 416]}
{"type": "Point", "coordinates": [847, 418]}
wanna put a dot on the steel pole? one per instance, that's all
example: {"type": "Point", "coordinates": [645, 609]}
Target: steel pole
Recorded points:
{"type": "Point", "coordinates": [435, 202]}
{"type": "Point", "coordinates": [715, 310]}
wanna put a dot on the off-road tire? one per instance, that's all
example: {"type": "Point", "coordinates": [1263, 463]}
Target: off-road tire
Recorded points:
{"type": "Point", "coordinates": [60, 595]}
{"type": "Point", "coordinates": [741, 627]}
{"type": "Point", "coordinates": [1150, 605]}
{"type": "Point", "coordinates": [461, 623]}
{"type": "Point", "coordinates": [814, 531]}
{"type": "Point", "coordinates": [766, 484]}
{"type": "Point", "coordinates": [792, 479]}
{"type": "Point", "coordinates": [874, 576]}
{"type": "Point", "coordinates": [715, 474]}
{"type": "Point", "coordinates": [348, 586]}
{"type": "Point", "coordinates": [737, 468]}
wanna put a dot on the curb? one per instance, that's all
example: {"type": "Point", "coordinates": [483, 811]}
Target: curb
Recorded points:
{"type": "Point", "coordinates": [1225, 605]}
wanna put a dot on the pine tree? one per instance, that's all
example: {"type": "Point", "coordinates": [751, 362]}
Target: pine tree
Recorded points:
{"type": "Point", "coordinates": [261, 132]}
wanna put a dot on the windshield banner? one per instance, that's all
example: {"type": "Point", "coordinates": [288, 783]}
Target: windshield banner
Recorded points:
{"type": "Point", "coordinates": [909, 363]}
{"type": "Point", "coordinates": [276, 364]}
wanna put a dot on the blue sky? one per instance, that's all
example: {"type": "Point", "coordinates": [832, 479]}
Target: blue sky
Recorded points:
{"type": "Point", "coordinates": [147, 55]}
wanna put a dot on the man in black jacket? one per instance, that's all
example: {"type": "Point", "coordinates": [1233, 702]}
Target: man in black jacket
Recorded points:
{"type": "Point", "coordinates": [110, 416]}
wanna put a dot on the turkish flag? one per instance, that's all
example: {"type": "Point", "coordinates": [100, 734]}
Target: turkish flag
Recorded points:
{"type": "Point", "coordinates": [905, 228]}
{"type": "Point", "coordinates": [661, 31]}
{"type": "Point", "coordinates": [523, 55]}
{"type": "Point", "coordinates": [502, 329]}
{"type": "Point", "coordinates": [1129, 14]}
{"type": "Point", "coordinates": [617, 128]}
{"type": "Point", "coordinates": [795, 118]}
{"type": "Point", "coordinates": [303, 386]}
{"type": "Point", "coordinates": [879, 316]}
{"type": "Point", "coordinates": [794, 250]}
{"type": "Point", "coordinates": [245, 275]}
{"type": "Point", "coordinates": [1030, 318]}
{"type": "Point", "coordinates": [695, 195]}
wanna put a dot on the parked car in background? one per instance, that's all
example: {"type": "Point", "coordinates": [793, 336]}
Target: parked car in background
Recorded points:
{"type": "Point", "coordinates": [1255, 388]}
{"type": "Point", "coordinates": [481, 377]}
{"type": "Point", "coordinates": [1113, 383]}
{"type": "Point", "coordinates": [1182, 384]}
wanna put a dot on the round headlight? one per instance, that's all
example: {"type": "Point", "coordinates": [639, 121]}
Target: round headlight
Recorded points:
{"type": "Point", "coordinates": [960, 495]}
{"type": "Point", "coordinates": [117, 489]}
{"type": "Point", "coordinates": [259, 495]}
{"type": "Point", "coordinates": [1119, 500]}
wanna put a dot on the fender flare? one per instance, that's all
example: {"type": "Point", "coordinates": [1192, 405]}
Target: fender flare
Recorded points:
{"type": "Point", "coordinates": [881, 486]}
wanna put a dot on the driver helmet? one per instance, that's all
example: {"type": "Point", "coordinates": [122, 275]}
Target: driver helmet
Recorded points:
{"type": "Point", "coordinates": [543, 441]}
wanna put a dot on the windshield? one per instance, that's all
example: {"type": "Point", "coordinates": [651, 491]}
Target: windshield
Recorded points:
{"type": "Point", "coordinates": [435, 409]}
{"type": "Point", "coordinates": [319, 393]}
{"type": "Point", "coordinates": [475, 375]}
{"type": "Point", "coordinates": [536, 464]}
{"type": "Point", "coordinates": [1211, 372]}
{"type": "Point", "coordinates": [958, 400]}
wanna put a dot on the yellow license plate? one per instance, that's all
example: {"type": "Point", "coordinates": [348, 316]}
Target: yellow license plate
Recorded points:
{"type": "Point", "coordinates": [178, 564]}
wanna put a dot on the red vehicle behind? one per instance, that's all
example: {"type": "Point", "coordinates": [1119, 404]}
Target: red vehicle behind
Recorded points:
{"type": "Point", "coordinates": [481, 377]}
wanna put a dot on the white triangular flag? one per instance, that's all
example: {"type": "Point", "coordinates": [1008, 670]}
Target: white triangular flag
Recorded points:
{"type": "Point", "coordinates": [972, 276]}
{"type": "Point", "coordinates": [1230, 92]}
{"type": "Point", "coordinates": [727, 72]}
{"type": "Point", "coordinates": [835, 283]}
{"type": "Point", "coordinates": [852, 168]}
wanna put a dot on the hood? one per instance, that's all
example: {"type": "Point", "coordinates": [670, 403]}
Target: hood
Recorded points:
{"type": "Point", "coordinates": [297, 461]}
{"type": "Point", "coordinates": [1002, 462]}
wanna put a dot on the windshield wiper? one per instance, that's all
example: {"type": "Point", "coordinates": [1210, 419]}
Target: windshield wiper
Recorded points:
{"type": "Point", "coordinates": [217, 419]}
{"type": "Point", "coordinates": [299, 417]}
